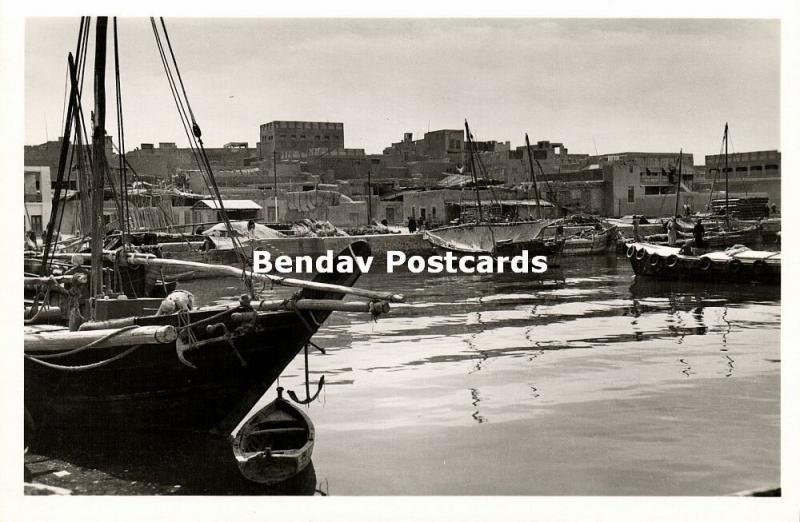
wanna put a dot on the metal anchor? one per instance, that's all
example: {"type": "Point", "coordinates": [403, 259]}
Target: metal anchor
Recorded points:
{"type": "Point", "coordinates": [309, 398]}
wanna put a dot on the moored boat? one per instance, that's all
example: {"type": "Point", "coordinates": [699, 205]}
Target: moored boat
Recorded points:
{"type": "Point", "coordinates": [735, 264]}
{"type": "Point", "coordinates": [198, 369]}
{"type": "Point", "coordinates": [275, 443]}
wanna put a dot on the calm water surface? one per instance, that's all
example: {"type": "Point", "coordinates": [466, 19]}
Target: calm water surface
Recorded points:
{"type": "Point", "coordinates": [501, 384]}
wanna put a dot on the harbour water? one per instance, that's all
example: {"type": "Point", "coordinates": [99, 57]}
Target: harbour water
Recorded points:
{"type": "Point", "coordinates": [503, 384]}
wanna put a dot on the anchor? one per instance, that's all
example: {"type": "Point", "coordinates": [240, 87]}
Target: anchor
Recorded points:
{"type": "Point", "coordinates": [309, 398]}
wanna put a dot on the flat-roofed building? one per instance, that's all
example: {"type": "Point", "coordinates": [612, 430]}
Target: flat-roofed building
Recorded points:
{"type": "Point", "coordinates": [294, 139]}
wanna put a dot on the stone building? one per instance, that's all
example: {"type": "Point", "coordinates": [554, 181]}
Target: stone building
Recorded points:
{"type": "Point", "coordinates": [748, 173]}
{"type": "Point", "coordinates": [294, 139]}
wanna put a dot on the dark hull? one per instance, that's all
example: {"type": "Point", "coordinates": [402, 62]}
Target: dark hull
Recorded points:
{"type": "Point", "coordinates": [153, 389]}
{"type": "Point", "coordinates": [694, 268]}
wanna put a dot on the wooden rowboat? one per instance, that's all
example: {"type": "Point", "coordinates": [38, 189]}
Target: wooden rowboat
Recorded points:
{"type": "Point", "coordinates": [275, 444]}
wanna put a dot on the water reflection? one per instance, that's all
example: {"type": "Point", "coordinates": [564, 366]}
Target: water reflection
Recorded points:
{"type": "Point", "coordinates": [149, 463]}
{"type": "Point", "coordinates": [599, 337]}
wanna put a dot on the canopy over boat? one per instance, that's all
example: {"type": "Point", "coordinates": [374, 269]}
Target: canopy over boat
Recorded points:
{"type": "Point", "coordinates": [240, 229]}
{"type": "Point", "coordinates": [484, 238]}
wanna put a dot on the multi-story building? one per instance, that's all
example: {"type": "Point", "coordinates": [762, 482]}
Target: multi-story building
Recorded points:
{"type": "Point", "coordinates": [747, 173]}
{"type": "Point", "coordinates": [38, 198]}
{"type": "Point", "coordinates": [294, 139]}
{"type": "Point", "coordinates": [435, 145]}
{"type": "Point", "coordinates": [646, 182]}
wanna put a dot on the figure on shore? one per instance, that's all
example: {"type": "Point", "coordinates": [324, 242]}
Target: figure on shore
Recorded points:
{"type": "Point", "coordinates": [412, 224]}
{"type": "Point", "coordinates": [636, 236]}
{"type": "Point", "coordinates": [251, 229]}
{"type": "Point", "coordinates": [30, 241]}
{"type": "Point", "coordinates": [672, 232]}
{"type": "Point", "coordinates": [699, 231]}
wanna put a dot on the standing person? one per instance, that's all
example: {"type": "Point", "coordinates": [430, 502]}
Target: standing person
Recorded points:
{"type": "Point", "coordinates": [412, 224]}
{"type": "Point", "coordinates": [421, 223]}
{"type": "Point", "coordinates": [30, 241]}
{"type": "Point", "coordinates": [699, 231]}
{"type": "Point", "coordinates": [672, 232]}
{"type": "Point", "coordinates": [636, 236]}
{"type": "Point", "coordinates": [251, 229]}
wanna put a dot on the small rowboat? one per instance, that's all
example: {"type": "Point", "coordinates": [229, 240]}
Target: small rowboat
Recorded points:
{"type": "Point", "coordinates": [275, 444]}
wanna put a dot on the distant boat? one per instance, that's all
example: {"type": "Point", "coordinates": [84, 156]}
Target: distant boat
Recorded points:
{"type": "Point", "coordinates": [275, 444]}
{"type": "Point", "coordinates": [496, 235]}
{"type": "Point", "coordinates": [735, 264]}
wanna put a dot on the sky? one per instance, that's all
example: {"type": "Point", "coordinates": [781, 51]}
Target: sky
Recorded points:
{"type": "Point", "coordinates": [605, 86]}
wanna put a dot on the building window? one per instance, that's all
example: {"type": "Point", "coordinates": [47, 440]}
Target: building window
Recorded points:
{"type": "Point", "coordinates": [36, 224]}
{"type": "Point", "coordinates": [433, 214]}
{"type": "Point", "coordinates": [631, 198]}
{"type": "Point", "coordinates": [771, 167]}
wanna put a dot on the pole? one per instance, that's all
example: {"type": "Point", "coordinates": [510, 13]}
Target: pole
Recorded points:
{"type": "Point", "coordinates": [533, 176]}
{"type": "Point", "coordinates": [98, 156]}
{"type": "Point", "coordinates": [275, 182]}
{"type": "Point", "coordinates": [62, 165]}
{"type": "Point", "coordinates": [369, 196]}
{"type": "Point", "coordinates": [474, 172]}
{"type": "Point", "coordinates": [727, 212]}
{"type": "Point", "coordinates": [678, 193]}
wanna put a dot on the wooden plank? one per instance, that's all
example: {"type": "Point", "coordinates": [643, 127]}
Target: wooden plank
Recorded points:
{"type": "Point", "coordinates": [65, 340]}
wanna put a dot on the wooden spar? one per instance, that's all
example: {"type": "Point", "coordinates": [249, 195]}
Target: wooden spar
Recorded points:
{"type": "Point", "coordinates": [333, 305]}
{"type": "Point", "coordinates": [474, 172]}
{"type": "Point", "coordinates": [108, 323]}
{"type": "Point", "coordinates": [533, 175]}
{"type": "Point", "coordinates": [33, 282]}
{"type": "Point", "coordinates": [224, 270]}
{"type": "Point", "coordinates": [98, 154]}
{"type": "Point", "coordinates": [680, 172]}
{"type": "Point", "coordinates": [62, 340]}
{"type": "Point", "coordinates": [43, 315]}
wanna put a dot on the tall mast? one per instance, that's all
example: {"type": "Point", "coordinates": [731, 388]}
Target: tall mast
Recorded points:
{"type": "Point", "coordinates": [678, 193]}
{"type": "Point", "coordinates": [369, 195]}
{"type": "Point", "coordinates": [98, 155]}
{"type": "Point", "coordinates": [275, 181]}
{"type": "Point", "coordinates": [727, 212]}
{"type": "Point", "coordinates": [474, 172]}
{"type": "Point", "coordinates": [533, 176]}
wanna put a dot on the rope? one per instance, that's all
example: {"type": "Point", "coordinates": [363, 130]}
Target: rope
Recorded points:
{"type": "Point", "coordinates": [208, 319]}
{"type": "Point", "coordinates": [91, 366]}
{"type": "Point", "coordinates": [92, 344]}
{"type": "Point", "coordinates": [123, 173]}
{"type": "Point", "coordinates": [213, 187]}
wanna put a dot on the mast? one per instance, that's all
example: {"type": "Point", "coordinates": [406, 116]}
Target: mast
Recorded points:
{"type": "Point", "coordinates": [275, 181]}
{"type": "Point", "coordinates": [98, 156]}
{"type": "Point", "coordinates": [369, 195]}
{"type": "Point", "coordinates": [680, 172]}
{"type": "Point", "coordinates": [474, 172]}
{"type": "Point", "coordinates": [62, 165]}
{"type": "Point", "coordinates": [533, 176]}
{"type": "Point", "coordinates": [727, 212]}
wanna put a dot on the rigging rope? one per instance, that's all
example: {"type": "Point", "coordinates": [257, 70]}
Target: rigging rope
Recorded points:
{"type": "Point", "coordinates": [91, 366]}
{"type": "Point", "coordinates": [198, 140]}
{"type": "Point", "coordinates": [123, 173]}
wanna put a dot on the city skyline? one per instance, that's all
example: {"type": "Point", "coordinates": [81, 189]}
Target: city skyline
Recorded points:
{"type": "Point", "coordinates": [604, 86]}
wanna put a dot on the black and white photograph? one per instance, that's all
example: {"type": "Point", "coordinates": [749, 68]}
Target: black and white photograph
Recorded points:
{"type": "Point", "coordinates": [455, 255]}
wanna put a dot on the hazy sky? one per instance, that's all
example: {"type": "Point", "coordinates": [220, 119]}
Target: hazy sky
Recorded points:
{"type": "Point", "coordinates": [617, 85]}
